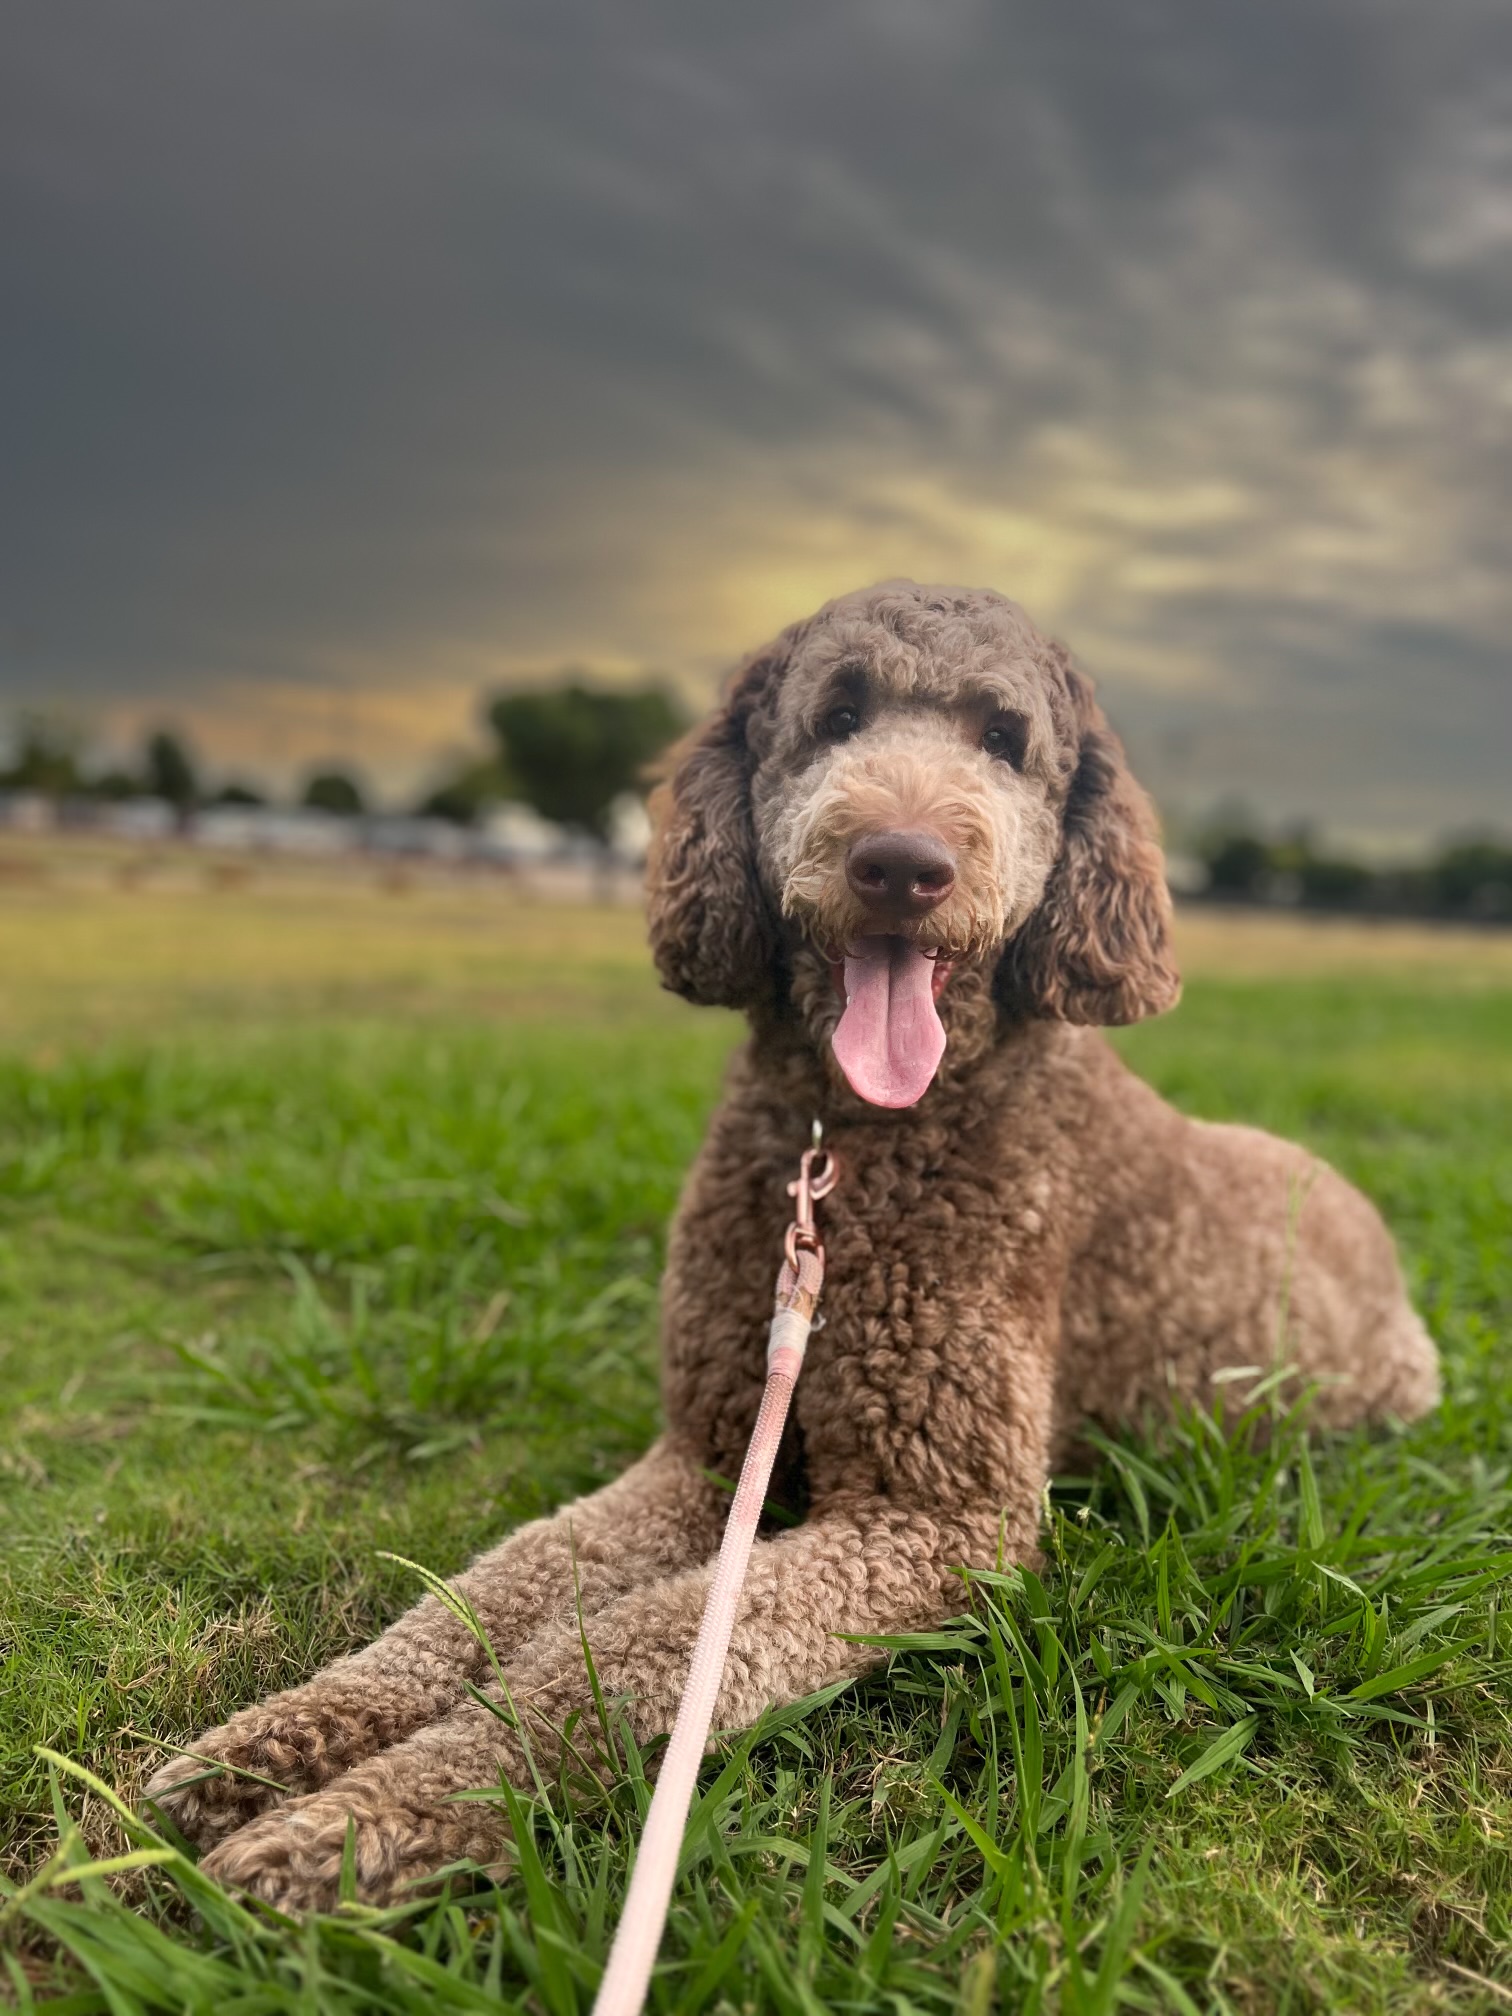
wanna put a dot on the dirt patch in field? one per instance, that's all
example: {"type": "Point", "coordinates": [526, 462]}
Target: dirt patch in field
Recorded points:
{"type": "Point", "coordinates": [1265, 945]}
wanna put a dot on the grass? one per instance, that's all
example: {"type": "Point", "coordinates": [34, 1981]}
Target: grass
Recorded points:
{"type": "Point", "coordinates": [330, 1226]}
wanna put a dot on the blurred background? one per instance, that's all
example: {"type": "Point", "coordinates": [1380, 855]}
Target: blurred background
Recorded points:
{"type": "Point", "coordinates": [413, 410]}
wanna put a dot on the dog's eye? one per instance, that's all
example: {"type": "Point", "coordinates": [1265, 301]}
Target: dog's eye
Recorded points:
{"type": "Point", "coordinates": [842, 722]}
{"type": "Point", "coordinates": [1007, 738]}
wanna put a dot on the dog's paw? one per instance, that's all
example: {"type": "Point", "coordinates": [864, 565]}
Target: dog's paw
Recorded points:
{"type": "Point", "coordinates": [259, 1759]}
{"type": "Point", "coordinates": [210, 1795]}
{"type": "Point", "coordinates": [404, 1827]}
{"type": "Point", "coordinates": [284, 1858]}
{"type": "Point", "coordinates": [293, 1858]}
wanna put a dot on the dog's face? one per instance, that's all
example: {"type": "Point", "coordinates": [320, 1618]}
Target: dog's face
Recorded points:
{"type": "Point", "coordinates": [905, 812]}
{"type": "Point", "coordinates": [911, 816]}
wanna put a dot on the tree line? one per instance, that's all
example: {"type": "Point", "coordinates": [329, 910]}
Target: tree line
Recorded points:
{"type": "Point", "coordinates": [1469, 879]}
{"type": "Point", "coordinates": [568, 751]}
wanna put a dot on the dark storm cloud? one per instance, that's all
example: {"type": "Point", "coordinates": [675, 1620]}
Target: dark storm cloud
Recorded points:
{"type": "Point", "coordinates": [387, 347]}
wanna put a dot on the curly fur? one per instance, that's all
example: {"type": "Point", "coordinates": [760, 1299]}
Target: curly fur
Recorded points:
{"type": "Point", "coordinates": [712, 933]}
{"type": "Point", "coordinates": [1040, 1242]}
{"type": "Point", "coordinates": [1097, 949]}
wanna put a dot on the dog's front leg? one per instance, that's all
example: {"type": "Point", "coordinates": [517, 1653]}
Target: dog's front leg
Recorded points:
{"type": "Point", "coordinates": [662, 1515]}
{"type": "Point", "coordinates": [871, 1568]}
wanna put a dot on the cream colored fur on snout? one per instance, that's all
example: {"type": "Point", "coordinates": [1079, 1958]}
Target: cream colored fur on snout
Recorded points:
{"type": "Point", "coordinates": [913, 774]}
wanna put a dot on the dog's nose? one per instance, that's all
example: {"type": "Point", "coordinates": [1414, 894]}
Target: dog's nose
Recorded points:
{"type": "Point", "coordinates": [901, 874]}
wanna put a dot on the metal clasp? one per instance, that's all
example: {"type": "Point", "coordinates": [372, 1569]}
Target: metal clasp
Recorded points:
{"type": "Point", "coordinates": [818, 1173]}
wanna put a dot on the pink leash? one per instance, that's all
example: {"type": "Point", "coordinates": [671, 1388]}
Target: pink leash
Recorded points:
{"type": "Point", "coordinates": [622, 1992]}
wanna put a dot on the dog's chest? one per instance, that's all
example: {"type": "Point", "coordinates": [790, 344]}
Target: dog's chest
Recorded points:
{"type": "Point", "coordinates": [905, 1387]}
{"type": "Point", "coordinates": [906, 1376]}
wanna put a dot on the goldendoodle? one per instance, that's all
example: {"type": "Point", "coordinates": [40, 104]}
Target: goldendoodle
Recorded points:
{"type": "Point", "coordinates": [908, 846]}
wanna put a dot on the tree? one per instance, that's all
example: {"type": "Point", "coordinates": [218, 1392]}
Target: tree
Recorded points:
{"type": "Point", "coordinates": [47, 759]}
{"type": "Point", "coordinates": [115, 786]}
{"type": "Point", "coordinates": [168, 772]}
{"type": "Point", "coordinates": [335, 791]}
{"type": "Point", "coordinates": [1473, 878]}
{"type": "Point", "coordinates": [1237, 864]}
{"type": "Point", "coordinates": [465, 793]}
{"type": "Point", "coordinates": [1330, 882]}
{"type": "Point", "coordinates": [573, 750]}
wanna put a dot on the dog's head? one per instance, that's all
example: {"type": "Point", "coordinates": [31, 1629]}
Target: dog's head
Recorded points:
{"type": "Point", "coordinates": [910, 818]}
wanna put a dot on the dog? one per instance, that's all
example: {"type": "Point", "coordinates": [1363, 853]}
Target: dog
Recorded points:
{"type": "Point", "coordinates": [909, 847]}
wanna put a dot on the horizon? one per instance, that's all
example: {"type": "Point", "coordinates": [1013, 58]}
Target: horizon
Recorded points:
{"type": "Point", "coordinates": [1181, 827]}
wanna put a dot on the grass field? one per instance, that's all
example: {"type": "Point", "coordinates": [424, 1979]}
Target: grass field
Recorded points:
{"type": "Point", "coordinates": [330, 1225]}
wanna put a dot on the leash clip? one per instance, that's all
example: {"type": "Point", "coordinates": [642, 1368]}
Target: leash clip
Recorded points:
{"type": "Point", "coordinates": [818, 1173]}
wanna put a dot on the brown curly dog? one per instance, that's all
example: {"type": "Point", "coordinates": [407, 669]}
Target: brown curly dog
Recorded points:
{"type": "Point", "coordinates": [909, 848]}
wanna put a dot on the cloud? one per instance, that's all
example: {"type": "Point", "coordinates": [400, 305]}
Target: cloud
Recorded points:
{"type": "Point", "coordinates": [386, 352]}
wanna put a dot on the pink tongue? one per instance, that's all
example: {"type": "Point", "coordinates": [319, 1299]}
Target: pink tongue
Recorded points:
{"type": "Point", "coordinates": [889, 1041]}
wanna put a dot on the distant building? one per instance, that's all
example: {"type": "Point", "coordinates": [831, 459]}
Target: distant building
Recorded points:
{"type": "Point", "coordinates": [413, 837]}
{"type": "Point", "coordinates": [137, 819]}
{"type": "Point", "coordinates": [265, 829]}
{"type": "Point", "coordinates": [629, 829]}
{"type": "Point", "coordinates": [27, 812]}
{"type": "Point", "coordinates": [1185, 874]}
{"type": "Point", "coordinates": [517, 835]}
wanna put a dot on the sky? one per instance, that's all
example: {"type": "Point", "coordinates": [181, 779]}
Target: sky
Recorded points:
{"type": "Point", "coordinates": [362, 358]}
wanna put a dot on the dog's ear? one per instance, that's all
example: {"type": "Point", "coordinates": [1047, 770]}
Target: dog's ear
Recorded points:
{"type": "Point", "coordinates": [1098, 948]}
{"type": "Point", "coordinates": [713, 934]}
